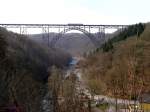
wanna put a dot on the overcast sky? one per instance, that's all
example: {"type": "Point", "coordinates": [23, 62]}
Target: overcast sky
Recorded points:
{"type": "Point", "coordinates": [75, 11]}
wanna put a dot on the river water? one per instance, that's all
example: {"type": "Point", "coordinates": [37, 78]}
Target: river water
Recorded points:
{"type": "Point", "coordinates": [47, 100]}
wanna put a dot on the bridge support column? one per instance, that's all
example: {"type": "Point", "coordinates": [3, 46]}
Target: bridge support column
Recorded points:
{"type": "Point", "coordinates": [23, 30]}
{"type": "Point", "coordinates": [84, 27]}
{"type": "Point", "coordinates": [103, 33]}
{"type": "Point", "coordinates": [20, 30]}
{"type": "Point", "coordinates": [99, 32]}
{"type": "Point", "coordinates": [59, 30]}
{"type": "Point", "coordinates": [64, 28]}
{"type": "Point", "coordinates": [89, 29]}
{"type": "Point", "coordinates": [45, 35]}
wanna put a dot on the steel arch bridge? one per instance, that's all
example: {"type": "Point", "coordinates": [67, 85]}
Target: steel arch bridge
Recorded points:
{"type": "Point", "coordinates": [60, 35]}
{"type": "Point", "coordinates": [64, 28]}
{"type": "Point", "coordinates": [76, 28]}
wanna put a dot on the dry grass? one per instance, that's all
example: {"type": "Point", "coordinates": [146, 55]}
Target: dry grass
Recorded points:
{"type": "Point", "coordinates": [146, 107]}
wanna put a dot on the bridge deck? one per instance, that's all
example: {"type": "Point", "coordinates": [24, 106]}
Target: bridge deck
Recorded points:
{"type": "Point", "coordinates": [60, 25]}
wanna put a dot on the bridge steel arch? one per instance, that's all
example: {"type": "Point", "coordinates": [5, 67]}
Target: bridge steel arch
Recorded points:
{"type": "Point", "coordinates": [76, 28]}
{"type": "Point", "coordinates": [60, 35]}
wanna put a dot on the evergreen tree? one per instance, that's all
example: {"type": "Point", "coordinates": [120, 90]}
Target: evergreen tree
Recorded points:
{"type": "Point", "coordinates": [132, 30]}
{"type": "Point", "coordinates": [107, 46]}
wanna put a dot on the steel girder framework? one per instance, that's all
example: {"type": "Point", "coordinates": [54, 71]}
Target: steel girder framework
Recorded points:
{"type": "Point", "coordinates": [63, 28]}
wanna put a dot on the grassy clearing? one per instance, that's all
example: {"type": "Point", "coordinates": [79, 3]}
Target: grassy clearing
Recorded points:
{"type": "Point", "coordinates": [103, 107]}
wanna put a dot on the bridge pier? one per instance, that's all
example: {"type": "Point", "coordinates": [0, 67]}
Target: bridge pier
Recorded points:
{"type": "Point", "coordinates": [59, 30]}
{"type": "Point", "coordinates": [89, 29]}
{"type": "Point", "coordinates": [101, 32]}
{"type": "Point", "coordinates": [23, 31]}
{"type": "Point", "coordinates": [46, 35]}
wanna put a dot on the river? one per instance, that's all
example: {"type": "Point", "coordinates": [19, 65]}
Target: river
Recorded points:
{"type": "Point", "coordinates": [47, 100]}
